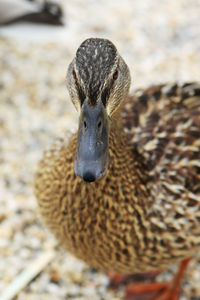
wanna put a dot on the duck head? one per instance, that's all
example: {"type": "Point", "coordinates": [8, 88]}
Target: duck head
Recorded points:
{"type": "Point", "coordinates": [98, 79]}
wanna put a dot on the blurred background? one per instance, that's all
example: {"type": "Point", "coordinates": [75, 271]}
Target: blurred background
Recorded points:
{"type": "Point", "coordinates": [160, 41]}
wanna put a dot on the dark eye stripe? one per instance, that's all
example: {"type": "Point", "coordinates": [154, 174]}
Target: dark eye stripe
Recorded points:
{"type": "Point", "coordinates": [106, 92]}
{"type": "Point", "coordinates": [78, 87]}
{"type": "Point", "coordinates": [80, 93]}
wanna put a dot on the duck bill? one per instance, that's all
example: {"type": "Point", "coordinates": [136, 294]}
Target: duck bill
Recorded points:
{"type": "Point", "coordinates": [91, 158]}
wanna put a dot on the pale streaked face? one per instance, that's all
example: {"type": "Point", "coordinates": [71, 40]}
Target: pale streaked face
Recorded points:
{"type": "Point", "coordinates": [98, 79]}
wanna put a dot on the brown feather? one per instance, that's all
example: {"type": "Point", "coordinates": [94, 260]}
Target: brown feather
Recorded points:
{"type": "Point", "coordinates": [145, 212]}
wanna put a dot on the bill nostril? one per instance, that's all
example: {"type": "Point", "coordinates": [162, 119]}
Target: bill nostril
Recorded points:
{"type": "Point", "coordinates": [99, 124]}
{"type": "Point", "coordinates": [85, 124]}
{"type": "Point", "coordinates": [89, 177]}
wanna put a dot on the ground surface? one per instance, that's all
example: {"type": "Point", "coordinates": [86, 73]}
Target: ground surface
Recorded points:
{"type": "Point", "coordinates": [160, 42]}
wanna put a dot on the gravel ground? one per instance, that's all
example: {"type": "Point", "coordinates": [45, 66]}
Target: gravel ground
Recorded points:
{"type": "Point", "coordinates": [160, 42]}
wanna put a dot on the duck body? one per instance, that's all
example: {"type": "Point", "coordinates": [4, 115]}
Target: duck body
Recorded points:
{"type": "Point", "coordinates": [144, 213]}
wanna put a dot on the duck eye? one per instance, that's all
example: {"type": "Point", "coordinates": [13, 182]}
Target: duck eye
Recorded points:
{"type": "Point", "coordinates": [74, 74]}
{"type": "Point", "coordinates": [115, 75]}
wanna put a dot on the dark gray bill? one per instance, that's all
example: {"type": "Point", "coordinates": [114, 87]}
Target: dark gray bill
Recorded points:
{"type": "Point", "coordinates": [91, 158]}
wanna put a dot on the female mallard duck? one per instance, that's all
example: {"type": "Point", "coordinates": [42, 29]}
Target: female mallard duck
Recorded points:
{"type": "Point", "coordinates": [124, 193]}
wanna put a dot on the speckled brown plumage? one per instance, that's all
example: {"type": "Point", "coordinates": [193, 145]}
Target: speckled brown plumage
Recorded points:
{"type": "Point", "coordinates": [144, 213]}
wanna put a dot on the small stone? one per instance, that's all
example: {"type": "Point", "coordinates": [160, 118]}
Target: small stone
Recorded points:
{"type": "Point", "coordinates": [54, 276]}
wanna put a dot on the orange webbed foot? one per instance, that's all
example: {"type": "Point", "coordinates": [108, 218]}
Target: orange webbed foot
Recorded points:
{"type": "Point", "coordinates": [117, 278]}
{"type": "Point", "coordinates": [149, 291]}
{"type": "Point", "coordinates": [157, 290]}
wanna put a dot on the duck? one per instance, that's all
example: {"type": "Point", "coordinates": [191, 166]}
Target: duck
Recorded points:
{"type": "Point", "coordinates": [123, 194]}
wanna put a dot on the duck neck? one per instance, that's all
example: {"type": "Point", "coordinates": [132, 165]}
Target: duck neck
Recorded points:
{"type": "Point", "coordinates": [118, 136]}
{"type": "Point", "coordinates": [125, 164]}
{"type": "Point", "coordinates": [116, 127]}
